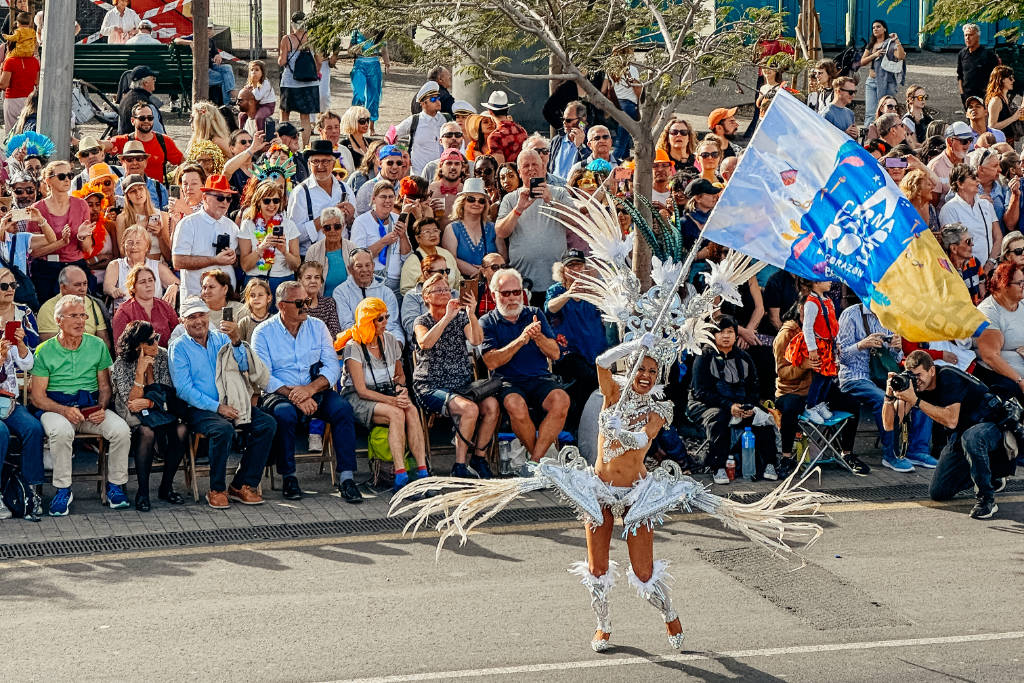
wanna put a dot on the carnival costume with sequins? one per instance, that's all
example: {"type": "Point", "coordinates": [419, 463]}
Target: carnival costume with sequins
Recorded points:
{"type": "Point", "coordinates": [656, 324]}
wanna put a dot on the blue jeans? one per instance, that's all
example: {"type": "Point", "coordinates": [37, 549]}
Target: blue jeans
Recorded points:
{"type": "Point", "coordinates": [867, 393]}
{"type": "Point", "coordinates": [334, 410]}
{"type": "Point", "coordinates": [622, 137]}
{"type": "Point", "coordinates": [30, 431]}
{"type": "Point", "coordinates": [870, 100]}
{"type": "Point", "coordinates": [965, 460]}
{"type": "Point", "coordinates": [224, 76]}
{"type": "Point", "coordinates": [367, 83]}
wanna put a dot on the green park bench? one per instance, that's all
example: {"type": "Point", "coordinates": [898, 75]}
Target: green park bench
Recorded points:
{"type": "Point", "coordinates": [102, 66]}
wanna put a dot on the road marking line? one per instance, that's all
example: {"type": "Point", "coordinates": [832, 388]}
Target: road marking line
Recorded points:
{"type": "Point", "coordinates": [735, 654]}
{"type": "Point", "coordinates": [254, 546]}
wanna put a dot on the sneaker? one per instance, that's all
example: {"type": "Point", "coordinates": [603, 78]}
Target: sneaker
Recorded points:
{"type": "Point", "coordinates": [923, 460]}
{"type": "Point", "coordinates": [823, 410]}
{"type": "Point", "coordinates": [4, 512]}
{"type": "Point", "coordinates": [897, 464]}
{"type": "Point", "coordinates": [998, 484]}
{"type": "Point", "coordinates": [316, 443]}
{"type": "Point", "coordinates": [984, 508]}
{"type": "Point", "coordinates": [116, 498]}
{"type": "Point", "coordinates": [350, 492]}
{"type": "Point", "coordinates": [812, 415]}
{"type": "Point", "coordinates": [786, 467]}
{"type": "Point", "coordinates": [770, 474]}
{"type": "Point", "coordinates": [859, 467]}
{"type": "Point", "coordinates": [60, 504]}
{"type": "Point", "coordinates": [461, 470]}
{"type": "Point", "coordinates": [479, 465]}
{"type": "Point", "coordinates": [721, 477]}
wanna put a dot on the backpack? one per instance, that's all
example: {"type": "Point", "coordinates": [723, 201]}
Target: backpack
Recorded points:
{"type": "Point", "coordinates": [304, 70]}
{"type": "Point", "coordinates": [848, 61]}
{"type": "Point", "coordinates": [18, 495]}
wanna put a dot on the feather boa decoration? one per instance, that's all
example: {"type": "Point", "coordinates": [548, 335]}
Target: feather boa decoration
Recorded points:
{"type": "Point", "coordinates": [33, 142]}
{"type": "Point", "coordinates": [99, 233]}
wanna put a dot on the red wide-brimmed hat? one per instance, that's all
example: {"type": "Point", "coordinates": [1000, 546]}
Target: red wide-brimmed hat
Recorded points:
{"type": "Point", "coordinates": [218, 183]}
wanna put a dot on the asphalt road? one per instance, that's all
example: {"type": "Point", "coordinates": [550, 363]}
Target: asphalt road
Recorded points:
{"type": "Point", "coordinates": [896, 591]}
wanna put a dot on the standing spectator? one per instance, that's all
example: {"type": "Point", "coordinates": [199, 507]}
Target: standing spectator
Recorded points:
{"type": "Point", "coordinates": [1001, 116]}
{"type": "Point", "coordinates": [221, 75]}
{"type": "Point", "coordinates": [820, 92]}
{"type": "Point", "coordinates": [120, 23]}
{"type": "Point", "coordinates": [890, 128]}
{"type": "Point", "coordinates": [532, 236]}
{"type": "Point", "coordinates": [470, 236]}
{"type": "Point", "coordinates": [141, 210]}
{"type": "Point", "coordinates": [917, 188]}
{"type": "Point", "coordinates": [144, 304]}
{"type": "Point", "coordinates": [958, 244]}
{"type": "Point", "coordinates": [71, 387]}
{"type": "Point", "coordinates": [355, 124]}
{"type": "Point", "coordinates": [722, 123]}
{"type": "Point", "coordinates": [506, 140]}
{"type": "Point", "coordinates": [678, 139]}
{"type": "Point", "coordinates": [196, 359]}
{"type": "Point", "coordinates": [300, 92]}
{"type": "Point", "coordinates": [567, 148]}
{"type": "Point", "coordinates": [986, 165]}
{"type": "Point", "coordinates": [90, 153]}
{"type": "Point", "coordinates": [977, 117]}
{"type": "Point", "coordinates": [447, 181]}
{"type": "Point", "coordinates": [208, 125]}
{"type": "Point", "coordinates": [443, 77]}
{"type": "Point", "coordinates": [974, 64]}
{"type": "Point", "coordinates": [321, 190]}
{"type": "Point", "coordinates": [628, 90]}
{"type": "Point", "coordinates": [518, 345]}
{"type": "Point", "coordinates": [880, 82]}
{"type": "Point", "coordinates": [288, 134]}
{"type": "Point", "coordinates": [367, 76]}
{"type": "Point", "coordinates": [423, 129]}
{"type": "Point", "coordinates": [975, 213]}
{"type": "Point", "coordinates": [303, 364]}
{"type": "Point", "coordinates": [207, 239]}
{"type": "Point", "coordinates": [838, 112]}
{"type": "Point", "coordinates": [709, 156]}
{"type": "Point", "coordinates": [599, 140]}
{"type": "Point", "coordinates": [145, 35]}
{"type": "Point", "coordinates": [477, 128]}
{"type": "Point", "coordinates": [917, 117]}
{"type": "Point", "coordinates": [451, 139]}
{"type": "Point", "coordinates": [363, 284]}
{"type": "Point", "coordinates": [958, 140]}
{"type": "Point", "coordinates": [135, 159]}
{"type": "Point", "coordinates": [819, 328]}
{"type": "Point", "coordinates": [19, 78]}
{"type": "Point", "coordinates": [391, 167]}
{"type": "Point", "coordinates": [268, 241]}
{"type": "Point", "coordinates": [161, 149]}
{"type": "Point", "coordinates": [142, 383]}
{"type": "Point", "coordinates": [328, 127]}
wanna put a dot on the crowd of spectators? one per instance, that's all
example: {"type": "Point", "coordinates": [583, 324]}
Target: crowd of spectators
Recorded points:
{"type": "Point", "coordinates": [261, 286]}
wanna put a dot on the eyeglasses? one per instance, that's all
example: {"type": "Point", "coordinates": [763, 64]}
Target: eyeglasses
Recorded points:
{"type": "Point", "coordinates": [267, 201]}
{"type": "Point", "coordinates": [24, 190]}
{"type": "Point", "coordinates": [476, 200]}
{"type": "Point", "coordinates": [1017, 283]}
{"type": "Point", "coordinates": [219, 197]}
{"type": "Point", "coordinates": [8, 286]}
{"type": "Point", "coordinates": [456, 134]}
{"type": "Point", "coordinates": [383, 318]}
{"type": "Point", "coordinates": [363, 121]}
{"type": "Point", "coordinates": [510, 292]}
{"type": "Point", "coordinates": [298, 303]}
{"type": "Point", "coordinates": [430, 231]}
{"type": "Point", "coordinates": [439, 290]}
{"type": "Point", "coordinates": [330, 227]}
{"type": "Point", "coordinates": [316, 161]}
{"type": "Point", "coordinates": [603, 136]}
{"type": "Point", "coordinates": [443, 271]}
{"type": "Point", "coordinates": [83, 316]}
{"type": "Point", "coordinates": [485, 170]}
{"type": "Point", "coordinates": [145, 118]}
{"type": "Point", "coordinates": [849, 92]}
{"type": "Point", "coordinates": [679, 132]}
{"type": "Point", "coordinates": [709, 155]}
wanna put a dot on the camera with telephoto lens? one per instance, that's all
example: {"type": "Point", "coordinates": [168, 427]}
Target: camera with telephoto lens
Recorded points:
{"type": "Point", "coordinates": [1006, 414]}
{"type": "Point", "coordinates": [902, 381]}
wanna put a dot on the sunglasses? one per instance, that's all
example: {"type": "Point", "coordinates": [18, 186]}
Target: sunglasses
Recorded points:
{"type": "Point", "coordinates": [145, 118]}
{"type": "Point", "coordinates": [219, 197]}
{"type": "Point", "coordinates": [363, 122]}
{"type": "Point", "coordinates": [510, 292]}
{"type": "Point", "coordinates": [1016, 252]}
{"type": "Point", "coordinates": [243, 142]}
{"type": "Point", "coordinates": [849, 92]}
{"type": "Point", "coordinates": [383, 318]}
{"type": "Point", "coordinates": [970, 242]}
{"type": "Point", "coordinates": [486, 170]}
{"type": "Point", "coordinates": [452, 135]}
{"type": "Point", "coordinates": [358, 250]}
{"type": "Point", "coordinates": [603, 136]}
{"type": "Point", "coordinates": [22, 191]}
{"type": "Point", "coordinates": [106, 183]}
{"type": "Point", "coordinates": [565, 120]}
{"type": "Point", "coordinates": [298, 303]}
{"type": "Point", "coordinates": [394, 163]}
{"type": "Point", "coordinates": [8, 286]}
{"type": "Point", "coordinates": [496, 266]}
{"type": "Point", "coordinates": [267, 201]}
{"type": "Point", "coordinates": [921, 98]}
{"type": "Point", "coordinates": [679, 133]}
{"type": "Point", "coordinates": [330, 227]}
{"type": "Point", "coordinates": [89, 152]}
{"type": "Point", "coordinates": [443, 271]}
{"type": "Point", "coordinates": [433, 98]}
{"type": "Point", "coordinates": [890, 107]}
{"type": "Point", "coordinates": [709, 155]}
{"type": "Point", "coordinates": [476, 200]}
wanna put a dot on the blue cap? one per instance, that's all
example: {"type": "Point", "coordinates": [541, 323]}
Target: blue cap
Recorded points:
{"type": "Point", "coordinates": [388, 151]}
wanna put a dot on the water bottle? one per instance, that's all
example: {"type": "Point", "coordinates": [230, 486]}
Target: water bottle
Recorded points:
{"type": "Point", "coordinates": [747, 452]}
{"type": "Point", "coordinates": [505, 458]}
{"type": "Point", "coordinates": [730, 468]}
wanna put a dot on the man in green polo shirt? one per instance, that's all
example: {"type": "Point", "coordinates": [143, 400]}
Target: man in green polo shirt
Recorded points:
{"type": "Point", "coordinates": [71, 384]}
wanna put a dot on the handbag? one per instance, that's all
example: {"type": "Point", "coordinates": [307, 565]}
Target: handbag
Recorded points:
{"type": "Point", "coordinates": [159, 414]}
{"type": "Point", "coordinates": [880, 361]}
{"type": "Point", "coordinates": [480, 389]}
{"type": "Point", "coordinates": [893, 66]}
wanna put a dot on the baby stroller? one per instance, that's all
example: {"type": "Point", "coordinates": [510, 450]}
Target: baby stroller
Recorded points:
{"type": "Point", "coordinates": [84, 108]}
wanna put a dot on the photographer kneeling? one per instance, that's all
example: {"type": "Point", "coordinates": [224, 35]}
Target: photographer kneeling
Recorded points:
{"type": "Point", "coordinates": [964, 406]}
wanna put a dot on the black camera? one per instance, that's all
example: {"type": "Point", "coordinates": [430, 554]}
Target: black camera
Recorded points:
{"type": "Point", "coordinates": [902, 381]}
{"type": "Point", "coordinates": [1006, 414]}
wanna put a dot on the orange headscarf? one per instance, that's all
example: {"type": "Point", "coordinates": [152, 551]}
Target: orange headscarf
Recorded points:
{"type": "Point", "coordinates": [364, 330]}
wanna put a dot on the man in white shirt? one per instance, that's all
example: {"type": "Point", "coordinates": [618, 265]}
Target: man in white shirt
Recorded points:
{"type": "Point", "coordinates": [627, 91]}
{"type": "Point", "coordinates": [425, 135]}
{"type": "Point", "coordinates": [207, 239]}
{"type": "Point", "coordinates": [958, 139]}
{"type": "Point", "coordinates": [120, 23]}
{"type": "Point", "coordinates": [145, 35]}
{"type": "Point", "coordinates": [320, 190]}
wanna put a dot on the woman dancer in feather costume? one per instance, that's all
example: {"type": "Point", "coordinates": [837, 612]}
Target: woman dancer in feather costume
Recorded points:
{"type": "Point", "coordinates": [657, 325]}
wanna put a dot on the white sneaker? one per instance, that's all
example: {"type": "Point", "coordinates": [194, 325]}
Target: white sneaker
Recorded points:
{"type": "Point", "coordinates": [811, 415]}
{"type": "Point", "coordinates": [4, 512]}
{"type": "Point", "coordinates": [822, 409]}
{"type": "Point", "coordinates": [721, 477]}
{"type": "Point", "coordinates": [770, 474]}
{"type": "Point", "coordinates": [316, 442]}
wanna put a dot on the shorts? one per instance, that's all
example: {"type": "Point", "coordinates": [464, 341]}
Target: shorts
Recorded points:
{"type": "Point", "coordinates": [362, 409]}
{"type": "Point", "coordinates": [435, 401]}
{"type": "Point", "coordinates": [304, 100]}
{"type": "Point", "coordinates": [533, 389]}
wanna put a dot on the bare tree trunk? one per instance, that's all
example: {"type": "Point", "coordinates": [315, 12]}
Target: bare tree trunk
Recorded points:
{"type": "Point", "coordinates": [200, 50]}
{"type": "Point", "coordinates": [643, 182]}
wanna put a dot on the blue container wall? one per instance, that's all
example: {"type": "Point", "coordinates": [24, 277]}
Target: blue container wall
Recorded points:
{"type": "Point", "coordinates": [904, 20]}
{"type": "Point", "coordinates": [831, 12]}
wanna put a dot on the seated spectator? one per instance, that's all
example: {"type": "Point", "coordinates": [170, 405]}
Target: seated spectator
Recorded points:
{"type": "Point", "coordinates": [578, 329]}
{"type": "Point", "coordinates": [374, 385]}
{"type": "Point", "coordinates": [470, 235]}
{"type": "Point", "coordinates": [143, 304]}
{"type": "Point", "coordinates": [391, 166]}
{"type": "Point", "coordinates": [145, 35]}
{"type": "Point", "coordinates": [443, 372]}
{"type": "Point", "coordinates": [791, 385]}
{"type": "Point", "coordinates": [427, 232]}
{"type": "Point", "coordinates": [142, 384]}
{"type": "Point", "coordinates": [332, 252]}
{"type": "Point", "coordinates": [136, 241]}
{"type": "Point", "coordinates": [838, 112]}
{"type": "Point", "coordinates": [207, 155]}
{"type": "Point", "coordinates": [11, 311]}
{"type": "Point", "coordinates": [985, 164]}
{"type": "Point", "coordinates": [268, 240]}
{"type": "Point", "coordinates": [322, 307]}
{"type": "Point", "coordinates": [975, 213]}
{"type": "Point", "coordinates": [709, 156]}
{"type": "Point", "coordinates": [723, 393]}
{"type": "Point", "coordinates": [198, 358]}
{"type": "Point", "coordinates": [413, 303]}
{"type": "Point", "coordinates": [1013, 248]}
{"type": "Point", "coordinates": [318, 192]}
{"type": "Point", "coordinates": [518, 345]}
{"type": "Point", "coordinates": [90, 153]}
{"type": "Point", "coordinates": [355, 124]}
{"type": "Point", "coordinates": [69, 217]}
{"type": "Point", "coordinates": [446, 181]}
{"type": "Point", "coordinates": [71, 387]}
{"type": "Point", "coordinates": [958, 138]}
{"type": "Point", "coordinates": [298, 351]}
{"type": "Point", "coordinates": [72, 280]}
{"type": "Point", "coordinates": [206, 239]}
{"type": "Point", "coordinates": [860, 331]}
{"type": "Point", "coordinates": [918, 188]}
{"type": "Point", "coordinates": [190, 181]}
{"type": "Point", "coordinates": [599, 140]}
{"type": "Point", "coordinates": [568, 145]}
{"type": "Point", "coordinates": [16, 248]}
{"type": "Point", "coordinates": [135, 158]}
{"type": "Point", "coordinates": [243, 148]}
{"type": "Point", "coordinates": [257, 298]}
{"type": "Point", "coordinates": [508, 179]}
{"type": "Point", "coordinates": [780, 293]}
{"type": "Point", "coordinates": [1000, 363]}
{"type": "Point", "coordinates": [958, 244]}
{"type": "Point", "coordinates": [369, 168]}
{"type": "Point", "coordinates": [14, 358]}
{"type": "Point", "coordinates": [506, 140]}
{"type": "Point", "coordinates": [379, 231]}
{"type": "Point", "coordinates": [362, 281]}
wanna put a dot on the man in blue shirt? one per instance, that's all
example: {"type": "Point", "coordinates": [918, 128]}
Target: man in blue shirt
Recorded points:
{"type": "Point", "coordinates": [193, 361]}
{"type": "Point", "coordinates": [838, 113]}
{"type": "Point", "coordinates": [518, 344]}
{"type": "Point", "coordinates": [569, 147]}
{"type": "Point", "coordinates": [304, 368]}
